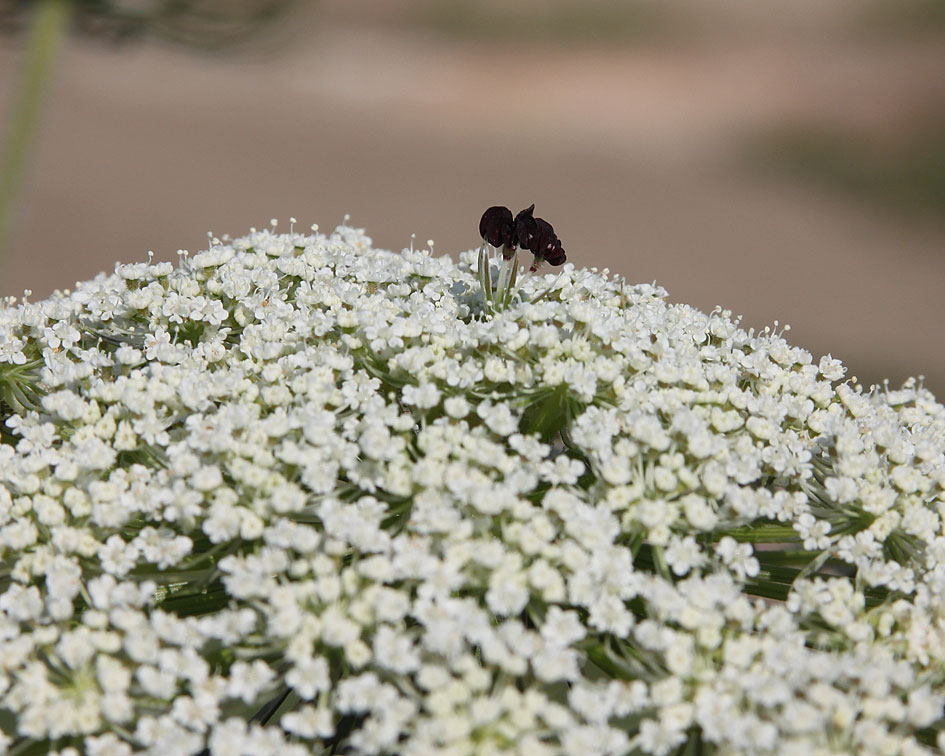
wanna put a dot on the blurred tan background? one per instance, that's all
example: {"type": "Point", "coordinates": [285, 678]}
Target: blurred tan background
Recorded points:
{"type": "Point", "coordinates": [783, 159]}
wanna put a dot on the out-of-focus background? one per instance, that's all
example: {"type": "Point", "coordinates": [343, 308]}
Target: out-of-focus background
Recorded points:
{"type": "Point", "coordinates": [783, 159]}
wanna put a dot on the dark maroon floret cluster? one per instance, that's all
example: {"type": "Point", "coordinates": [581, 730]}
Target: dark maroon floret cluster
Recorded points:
{"type": "Point", "coordinates": [524, 231]}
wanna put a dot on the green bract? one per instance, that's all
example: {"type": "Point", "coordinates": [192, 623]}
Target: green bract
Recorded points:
{"type": "Point", "coordinates": [301, 496]}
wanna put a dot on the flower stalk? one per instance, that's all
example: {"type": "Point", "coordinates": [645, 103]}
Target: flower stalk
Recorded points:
{"type": "Point", "coordinates": [48, 29]}
{"type": "Point", "coordinates": [500, 296]}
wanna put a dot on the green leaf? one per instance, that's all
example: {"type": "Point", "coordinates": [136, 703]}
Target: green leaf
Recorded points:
{"type": "Point", "coordinates": [548, 415]}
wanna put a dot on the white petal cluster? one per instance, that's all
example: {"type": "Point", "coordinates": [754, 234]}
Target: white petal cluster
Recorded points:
{"type": "Point", "coordinates": [301, 480]}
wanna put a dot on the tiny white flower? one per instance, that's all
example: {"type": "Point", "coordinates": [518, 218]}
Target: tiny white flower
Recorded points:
{"type": "Point", "coordinates": [309, 677]}
{"type": "Point", "coordinates": [117, 557]}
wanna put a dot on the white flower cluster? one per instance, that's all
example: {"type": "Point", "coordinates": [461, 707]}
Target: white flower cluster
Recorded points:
{"type": "Point", "coordinates": [301, 496]}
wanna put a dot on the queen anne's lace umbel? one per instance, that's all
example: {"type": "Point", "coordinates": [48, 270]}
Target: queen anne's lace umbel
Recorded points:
{"type": "Point", "coordinates": [295, 467]}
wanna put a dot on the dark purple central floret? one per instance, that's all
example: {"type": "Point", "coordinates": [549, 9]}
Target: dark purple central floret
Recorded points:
{"type": "Point", "coordinates": [496, 226]}
{"type": "Point", "coordinates": [548, 244]}
{"type": "Point", "coordinates": [525, 231]}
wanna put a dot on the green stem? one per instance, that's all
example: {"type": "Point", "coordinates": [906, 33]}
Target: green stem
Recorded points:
{"type": "Point", "coordinates": [48, 28]}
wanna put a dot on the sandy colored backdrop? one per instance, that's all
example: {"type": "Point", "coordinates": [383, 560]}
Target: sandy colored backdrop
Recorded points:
{"type": "Point", "coordinates": [662, 150]}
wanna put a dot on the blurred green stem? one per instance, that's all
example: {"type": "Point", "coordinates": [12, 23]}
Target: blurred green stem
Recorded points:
{"type": "Point", "coordinates": [47, 29]}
